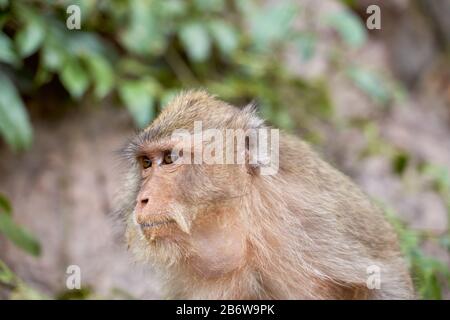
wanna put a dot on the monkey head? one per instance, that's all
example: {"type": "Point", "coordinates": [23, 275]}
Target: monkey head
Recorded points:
{"type": "Point", "coordinates": [181, 207]}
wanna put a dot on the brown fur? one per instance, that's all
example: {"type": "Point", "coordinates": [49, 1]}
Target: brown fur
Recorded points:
{"type": "Point", "coordinates": [305, 233]}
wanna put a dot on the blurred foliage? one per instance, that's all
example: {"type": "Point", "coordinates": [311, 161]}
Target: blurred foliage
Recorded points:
{"type": "Point", "coordinates": [428, 273]}
{"type": "Point", "coordinates": [140, 53]}
{"type": "Point", "coordinates": [431, 276]}
{"type": "Point", "coordinates": [75, 294]}
{"type": "Point", "coordinates": [19, 236]}
{"type": "Point", "coordinates": [15, 287]}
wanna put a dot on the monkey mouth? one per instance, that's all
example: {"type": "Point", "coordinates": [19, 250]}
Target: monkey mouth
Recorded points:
{"type": "Point", "coordinates": [157, 229]}
{"type": "Point", "coordinates": [156, 224]}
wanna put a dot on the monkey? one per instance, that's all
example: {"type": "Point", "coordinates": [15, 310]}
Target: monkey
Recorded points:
{"type": "Point", "coordinates": [227, 231]}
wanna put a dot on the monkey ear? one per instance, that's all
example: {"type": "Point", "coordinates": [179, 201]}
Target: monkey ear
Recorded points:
{"type": "Point", "coordinates": [259, 153]}
{"type": "Point", "coordinates": [251, 157]}
{"type": "Point", "coordinates": [253, 123]}
{"type": "Point", "coordinates": [261, 144]}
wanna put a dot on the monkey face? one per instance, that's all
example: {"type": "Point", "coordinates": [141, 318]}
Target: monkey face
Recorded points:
{"type": "Point", "coordinates": [174, 194]}
{"type": "Point", "coordinates": [180, 206]}
{"type": "Point", "coordinates": [158, 213]}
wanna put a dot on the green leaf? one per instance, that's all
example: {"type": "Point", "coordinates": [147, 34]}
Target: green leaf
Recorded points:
{"type": "Point", "coordinates": [83, 43]}
{"type": "Point", "coordinates": [24, 292]}
{"type": "Point", "coordinates": [400, 162]}
{"type": "Point", "coordinates": [14, 124]}
{"type": "Point", "coordinates": [349, 27]}
{"type": "Point", "coordinates": [195, 40]}
{"type": "Point", "coordinates": [20, 291]}
{"type": "Point", "coordinates": [430, 286]}
{"type": "Point", "coordinates": [42, 76]}
{"type": "Point", "coordinates": [133, 67]}
{"type": "Point", "coordinates": [102, 74]}
{"type": "Point", "coordinates": [4, 17]}
{"type": "Point", "coordinates": [74, 78]}
{"type": "Point", "coordinates": [370, 83]}
{"type": "Point", "coordinates": [440, 175]}
{"type": "Point", "coordinates": [52, 56]}
{"type": "Point", "coordinates": [7, 53]}
{"type": "Point", "coordinates": [139, 99]}
{"type": "Point", "coordinates": [350, 3]}
{"type": "Point", "coordinates": [29, 39]}
{"type": "Point", "coordinates": [4, 4]}
{"type": "Point", "coordinates": [6, 275]}
{"type": "Point", "coordinates": [271, 24]}
{"type": "Point", "coordinates": [144, 33]}
{"type": "Point", "coordinates": [5, 206]}
{"type": "Point", "coordinates": [224, 35]}
{"type": "Point", "coordinates": [172, 8]}
{"type": "Point", "coordinates": [19, 236]}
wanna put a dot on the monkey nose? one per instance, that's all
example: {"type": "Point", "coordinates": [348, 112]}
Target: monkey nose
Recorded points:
{"type": "Point", "coordinates": [141, 202]}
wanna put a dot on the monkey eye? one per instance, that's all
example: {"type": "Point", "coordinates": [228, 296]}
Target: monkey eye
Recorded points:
{"type": "Point", "coordinates": [146, 162]}
{"type": "Point", "coordinates": [170, 157]}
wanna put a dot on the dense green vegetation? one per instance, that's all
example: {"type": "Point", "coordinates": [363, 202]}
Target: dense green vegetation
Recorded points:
{"type": "Point", "coordinates": [140, 53]}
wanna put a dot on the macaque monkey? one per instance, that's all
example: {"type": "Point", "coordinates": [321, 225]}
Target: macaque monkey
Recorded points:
{"type": "Point", "coordinates": [228, 231]}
